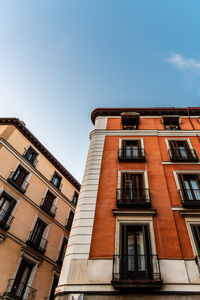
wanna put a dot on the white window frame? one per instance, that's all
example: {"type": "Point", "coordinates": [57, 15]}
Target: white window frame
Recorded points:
{"type": "Point", "coordinates": [179, 139]}
{"type": "Point", "coordinates": [131, 139]}
{"type": "Point", "coordinates": [144, 172]}
{"type": "Point", "coordinates": [177, 172]}
{"type": "Point", "coordinates": [192, 221]}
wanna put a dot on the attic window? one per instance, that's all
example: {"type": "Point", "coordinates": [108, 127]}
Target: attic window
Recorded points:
{"type": "Point", "coordinates": [130, 120]}
{"type": "Point", "coordinates": [171, 122]}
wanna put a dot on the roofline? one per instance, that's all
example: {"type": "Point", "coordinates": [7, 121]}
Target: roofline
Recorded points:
{"type": "Point", "coordinates": [153, 111]}
{"type": "Point", "coordinates": [22, 128]}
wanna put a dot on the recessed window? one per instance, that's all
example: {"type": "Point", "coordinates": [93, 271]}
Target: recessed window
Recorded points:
{"type": "Point", "coordinates": [19, 288]}
{"type": "Point", "coordinates": [75, 197]}
{"type": "Point", "coordinates": [18, 178]}
{"type": "Point", "coordinates": [53, 287]}
{"type": "Point", "coordinates": [131, 151]}
{"type": "Point", "coordinates": [36, 237]}
{"type": "Point", "coordinates": [171, 122]}
{"type": "Point", "coordinates": [7, 205]}
{"type": "Point", "coordinates": [70, 220]}
{"type": "Point", "coordinates": [135, 262]}
{"type": "Point", "coordinates": [48, 204]}
{"type": "Point", "coordinates": [130, 120]}
{"type": "Point", "coordinates": [133, 192]}
{"type": "Point", "coordinates": [56, 180]}
{"type": "Point", "coordinates": [181, 151]}
{"type": "Point", "coordinates": [62, 251]}
{"type": "Point", "coordinates": [31, 155]}
{"type": "Point", "coordinates": [190, 189]}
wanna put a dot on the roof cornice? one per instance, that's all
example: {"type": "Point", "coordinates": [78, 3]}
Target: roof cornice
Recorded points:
{"type": "Point", "coordinates": [22, 128]}
{"type": "Point", "coordinates": [154, 111]}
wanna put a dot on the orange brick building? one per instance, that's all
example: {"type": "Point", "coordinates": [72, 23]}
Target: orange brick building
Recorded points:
{"type": "Point", "coordinates": [38, 197]}
{"type": "Point", "coordinates": [137, 225]}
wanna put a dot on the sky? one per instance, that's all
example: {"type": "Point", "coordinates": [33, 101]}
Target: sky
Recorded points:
{"type": "Point", "coordinates": [60, 59]}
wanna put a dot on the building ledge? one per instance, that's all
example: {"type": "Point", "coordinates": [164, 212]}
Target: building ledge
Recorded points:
{"type": "Point", "coordinates": [190, 213]}
{"type": "Point", "coordinates": [134, 212]}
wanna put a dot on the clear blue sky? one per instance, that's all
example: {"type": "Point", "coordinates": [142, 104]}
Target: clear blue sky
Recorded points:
{"type": "Point", "coordinates": [61, 59]}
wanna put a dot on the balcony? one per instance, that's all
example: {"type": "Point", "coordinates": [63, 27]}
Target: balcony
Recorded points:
{"type": "Point", "coordinates": [134, 155]}
{"type": "Point", "coordinates": [19, 291]}
{"type": "Point", "coordinates": [136, 272]}
{"type": "Point", "coordinates": [49, 209]}
{"type": "Point", "coordinates": [5, 219]}
{"type": "Point", "coordinates": [177, 154]}
{"type": "Point", "coordinates": [36, 242]}
{"type": "Point", "coordinates": [190, 197]}
{"type": "Point", "coordinates": [21, 186]}
{"type": "Point", "coordinates": [133, 198]}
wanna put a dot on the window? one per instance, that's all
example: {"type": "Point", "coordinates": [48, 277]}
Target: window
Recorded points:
{"type": "Point", "coordinates": [132, 191]}
{"type": "Point", "coordinates": [180, 151]}
{"type": "Point", "coordinates": [53, 287]}
{"type": "Point", "coordinates": [190, 189]}
{"type": "Point", "coordinates": [31, 155]}
{"type": "Point", "coordinates": [196, 234]}
{"type": "Point", "coordinates": [135, 262]}
{"type": "Point", "coordinates": [70, 220]}
{"type": "Point", "coordinates": [131, 151]}
{"type": "Point", "coordinates": [47, 204]}
{"type": "Point", "coordinates": [171, 122]}
{"type": "Point", "coordinates": [130, 120]}
{"type": "Point", "coordinates": [18, 288]}
{"type": "Point", "coordinates": [17, 178]}
{"type": "Point", "coordinates": [62, 251]}
{"type": "Point", "coordinates": [6, 207]}
{"type": "Point", "coordinates": [56, 180]}
{"type": "Point", "coordinates": [36, 239]}
{"type": "Point", "coordinates": [75, 198]}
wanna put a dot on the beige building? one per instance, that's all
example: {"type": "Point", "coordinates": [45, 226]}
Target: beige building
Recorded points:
{"type": "Point", "coordinates": [38, 197]}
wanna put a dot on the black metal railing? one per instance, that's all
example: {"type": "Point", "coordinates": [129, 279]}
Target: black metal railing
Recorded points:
{"type": "Point", "coordinates": [131, 155]}
{"type": "Point", "coordinates": [136, 268]}
{"type": "Point", "coordinates": [22, 186]}
{"type": "Point", "coordinates": [5, 219]}
{"type": "Point", "coordinates": [36, 242]}
{"type": "Point", "coordinates": [190, 197]}
{"type": "Point", "coordinates": [133, 197]}
{"type": "Point", "coordinates": [31, 159]}
{"type": "Point", "coordinates": [19, 291]}
{"type": "Point", "coordinates": [50, 209]}
{"type": "Point", "coordinates": [177, 154]}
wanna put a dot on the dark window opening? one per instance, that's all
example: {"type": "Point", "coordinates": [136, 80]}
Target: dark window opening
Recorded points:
{"type": "Point", "coordinates": [18, 288]}
{"type": "Point", "coordinates": [132, 191]}
{"type": "Point", "coordinates": [130, 120]}
{"type": "Point", "coordinates": [180, 151]}
{"type": "Point", "coordinates": [70, 220]}
{"type": "Point", "coordinates": [36, 239]}
{"type": "Point", "coordinates": [75, 198]}
{"type": "Point", "coordinates": [56, 180]}
{"type": "Point", "coordinates": [7, 205]}
{"type": "Point", "coordinates": [48, 204]}
{"type": "Point", "coordinates": [31, 155]}
{"type": "Point", "coordinates": [171, 122]}
{"type": "Point", "coordinates": [62, 251]}
{"type": "Point", "coordinates": [131, 151]}
{"type": "Point", "coordinates": [190, 189]}
{"type": "Point", "coordinates": [17, 178]}
{"type": "Point", "coordinates": [54, 285]}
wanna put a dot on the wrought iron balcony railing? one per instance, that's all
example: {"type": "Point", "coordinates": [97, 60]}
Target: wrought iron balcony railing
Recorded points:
{"type": "Point", "coordinates": [5, 219]}
{"type": "Point", "coordinates": [190, 197]}
{"type": "Point", "coordinates": [137, 155]}
{"type": "Point", "coordinates": [50, 209]}
{"type": "Point", "coordinates": [31, 159]}
{"type": "Point", "coordinates": [177, 154]}
{"type": "Point", "coordinates": [134, 271]}
{"type": "Point", "coordinates": [21, 186]}
{"type": "Point", "coordinates": [36, 242]}
{"type": "Point", "coordinates": [19, 291]}
{"type": "Point", "coordinates": [133, 198]}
